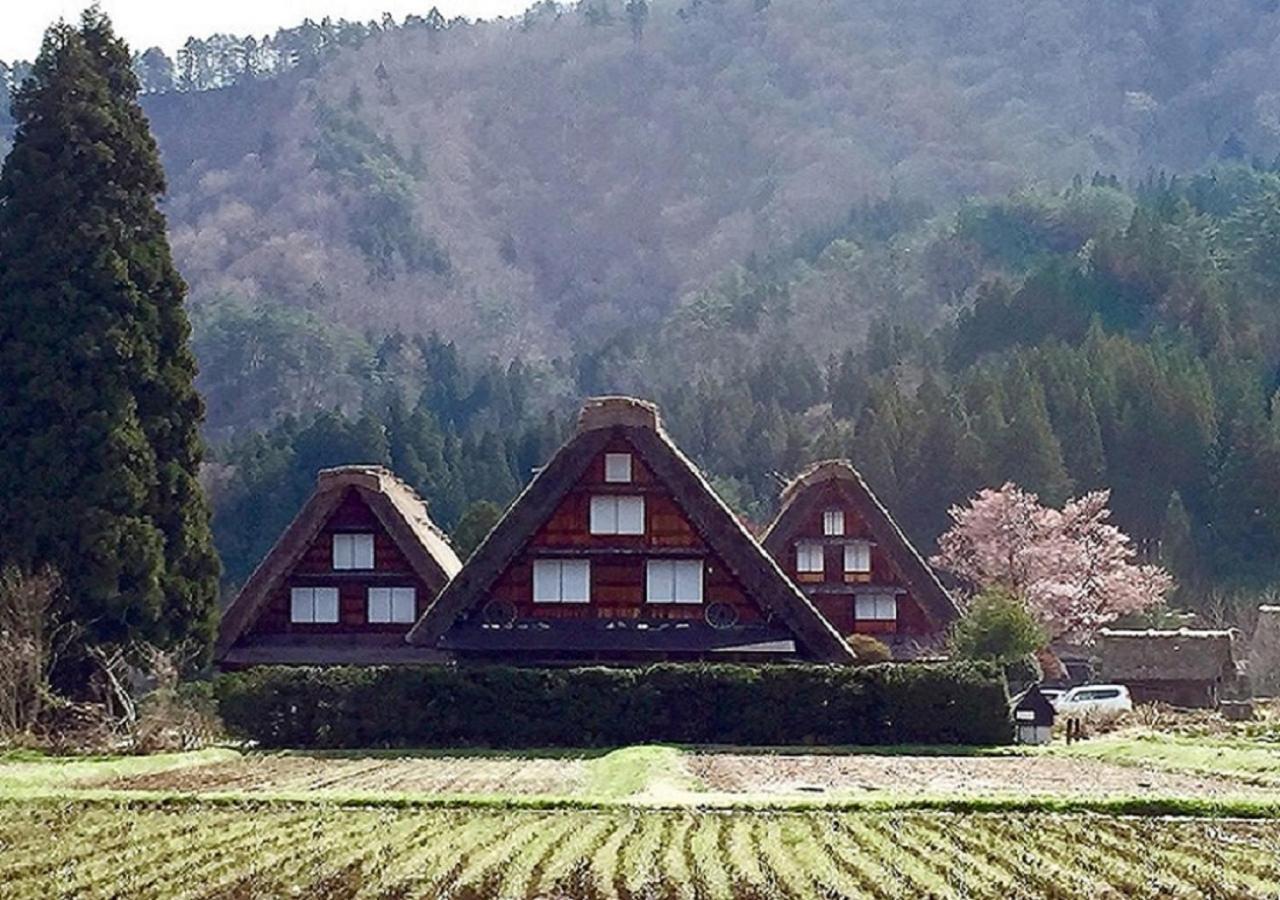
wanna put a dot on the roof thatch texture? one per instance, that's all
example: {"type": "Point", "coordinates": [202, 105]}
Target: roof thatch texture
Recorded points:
{"type": "Point", "coordinates": [396, 505]}
{"type": "Point", "coordinates": [798, 499]}
{"type": "Point", "coordinates": [637, 422]}
{"type": "Point", "coordinates": [1182, 655]}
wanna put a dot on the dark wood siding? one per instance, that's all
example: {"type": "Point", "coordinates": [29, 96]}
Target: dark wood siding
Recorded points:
{"type": "Point", "coordinates": [618, 562]}
{"type": "Point", "coordinates": [315, 569]}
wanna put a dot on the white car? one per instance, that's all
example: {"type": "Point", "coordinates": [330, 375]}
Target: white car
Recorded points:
{"type": "Point", "coordinates": [1094, 698]}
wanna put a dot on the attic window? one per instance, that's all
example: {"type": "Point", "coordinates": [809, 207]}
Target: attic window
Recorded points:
{"type": "Point", "coordinates": [392, 604]}
{"type": "Point", "coordinates": [611, 514]}
{"type": "Point", "coordinates": [353, 551]}
{"type": "Point", "coordinates": [876, 608]}
{"type": "Point", "coordinates": [561, 581]}
{"type": "Point", "coordinates": [833, 522]}
{"type": "Point", "coordinates": [857, 557]}
{"type": "Point", "coordinates": [809, 557]}
{"type": "Point", "coordinates": [673, 581]}
{"type": "Point", "coordinates": [309, 605]}
{"type": "Point", "coordinates": [617, 468]}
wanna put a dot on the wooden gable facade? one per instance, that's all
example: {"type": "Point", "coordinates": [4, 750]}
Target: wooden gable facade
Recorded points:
{"type": "Point", "coordinates": [345, 582]}
{"type": "Point", "coordinates": [843, 549]}
{"type": "Point", "coordinates": [619, 551]}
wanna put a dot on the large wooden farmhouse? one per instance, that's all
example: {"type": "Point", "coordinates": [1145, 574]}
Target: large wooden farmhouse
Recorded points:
{"type": "Point", "coordinates": [841, 546]}
{"type": "Point", "coordinates": [345, 582]}
{"type": "Point", "coordinates": [619, 551]}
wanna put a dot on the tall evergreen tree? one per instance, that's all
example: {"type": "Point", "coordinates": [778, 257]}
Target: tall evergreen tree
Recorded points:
{"type": "Point", "coordinates": [99, 424]}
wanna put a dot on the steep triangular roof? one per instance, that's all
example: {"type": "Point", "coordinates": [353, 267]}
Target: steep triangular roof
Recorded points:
{"type": "Point", "coordinates": [397, 507]}
{"type": "Point", "coordinates": [798, 499]}
{"type": "Point", "coordinates": [638, 423]}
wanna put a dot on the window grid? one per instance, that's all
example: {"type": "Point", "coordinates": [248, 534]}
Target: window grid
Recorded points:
{"type": "Point", "coordinates": [617, 468]}
{"type": "Point", "coordinates": [877, 608]}
{"type": "Point", "coordinates": [561, 581]}
{"type": "Point", "coordinates": [617, 514]}
{"type": "Point", "coordinates": [833, 522]}
{"type": "Point", "coordinates": [312, 605]}
{"type": "Point", "coordinates": [857, 557]}
{"type": "Point", "coordinates": [673, 581]}
{"type": "Point", "coordinates": [392, 605]}
{"type": "Point", "coordinates": [353, 551]}
{"type": "Point", "coordinates": [809, 558]}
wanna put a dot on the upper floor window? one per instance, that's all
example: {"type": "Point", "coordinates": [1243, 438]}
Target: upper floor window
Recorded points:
{"type": "Point", "coordinates": [313, 604]}
{"type": "Point", "coordinates": [833, 522]}
{"type": "Point", "coordinates": [809, 557]}
{"type": "Point", "coordinates": [353, 551]}
{"type": "Point", "coordinates": [561, 581]}
{"type": "Point", "coordinates": [857, 557]}
{"type": "Point", "coordinates": [617, 468]}
{"type": "Point", "coordinates": [613, 514]}
{"type": "Point", "coordinates": [673, 581]}
{"type": "Point", "coordinates": [392, 604]}
{"type": "Point", "coordinates": [876, 607]}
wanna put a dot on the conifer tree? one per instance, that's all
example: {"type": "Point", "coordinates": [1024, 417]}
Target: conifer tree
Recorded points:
{"type": "Point", "coordinates": [99, 417]}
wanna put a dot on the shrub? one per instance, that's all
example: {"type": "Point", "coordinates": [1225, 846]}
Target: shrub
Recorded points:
{"type": "Point", "coordinates": [964, 703]}
{"type": "Point", "coordinates": [868, 649]}
{"type": "Point", "coordinates": [997, 626]}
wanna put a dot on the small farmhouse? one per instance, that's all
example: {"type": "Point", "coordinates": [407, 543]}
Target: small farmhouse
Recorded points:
{"type": "Point", "coordinates": [1033, 716]}
{"type": "Point", "coordinates": [619, 551]}
{"type": "Point", "coordinates": [345, 581]}
{"type": "Point", "coordinates": [1186, 667]}
{"type": "Point", "coordinates": [840, 545]}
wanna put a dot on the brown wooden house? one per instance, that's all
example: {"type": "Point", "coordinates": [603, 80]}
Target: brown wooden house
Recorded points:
{"type": "Point", "coordinates": [618, 551]}
{"type": "Point", "coordinates": [841, 546]}
{"type": "Point", "coordinates": [1184, 667]}
{"type": "Point", "coordinates": [345, 581]}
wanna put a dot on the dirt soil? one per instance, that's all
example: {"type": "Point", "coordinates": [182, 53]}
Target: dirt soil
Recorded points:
{"type": "Point", "coordinates": [417, 775]}
{"type": "Point", "coordinates": [951, 775]}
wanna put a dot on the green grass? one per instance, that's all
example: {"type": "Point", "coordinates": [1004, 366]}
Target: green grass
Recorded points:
{"type": "Point", "coordinates": [23, 771]}
{"type": "Point", "coordinates": [1252, 761]}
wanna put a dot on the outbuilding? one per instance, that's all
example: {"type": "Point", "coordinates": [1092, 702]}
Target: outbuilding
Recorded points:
{"type": "Point", "coordinates": [1033, 716]}
{"type": "Point", "coordinates": [1185, 667]}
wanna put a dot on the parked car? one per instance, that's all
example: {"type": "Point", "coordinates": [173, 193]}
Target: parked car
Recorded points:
{"type": "Point", "coordinates": [1094, 698]}
{"type": "Point", "coordinates": [1052, 694]}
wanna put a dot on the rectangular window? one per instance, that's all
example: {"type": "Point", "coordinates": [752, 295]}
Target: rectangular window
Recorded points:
{"type": "Point", "coordinates": [393, 604]}
{"type": "Point", "coordinates": [353, 551]}
{"type": "Point", "coordinates": [833, 522]}
{"type": "Point", "coordinates": [673, 581]}
{"type": "Point", "coordinates": [617, 468]}
{"type": "Point", "coordinates": [809, 558]}
{"type": "Point", "coordinates": [877, 608]}
{"type": "Point", "coordinates": [612, 514]}
{"type": "Point", "coordinates": [561, 581]}
{"type": "Point", "coordinates": [857, 557]}
{"type": "Point", "coordinates": [310, 605]}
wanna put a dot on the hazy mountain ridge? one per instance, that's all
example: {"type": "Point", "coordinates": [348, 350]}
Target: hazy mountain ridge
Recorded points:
{"type": "Point", "coordinates": [523, 185]}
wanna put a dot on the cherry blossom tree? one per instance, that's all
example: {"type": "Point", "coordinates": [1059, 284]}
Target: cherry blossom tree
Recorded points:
{"type": "Point", "coordinates": [1074, 569]}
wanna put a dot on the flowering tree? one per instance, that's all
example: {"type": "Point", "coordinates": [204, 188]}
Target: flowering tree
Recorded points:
{"type": "Point", "coordinates": [1076, 571]}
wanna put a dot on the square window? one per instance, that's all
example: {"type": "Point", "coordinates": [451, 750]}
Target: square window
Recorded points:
{"type": "Point", "coordinates": [311, 605]}
{"type": "Point", "coordinates": [857, 557]}
{"type": "Point", "coordinates": [809, 557]}
{"type": "Point", "coordinates": [617, 468]}
{"type": "Point", "coordinates": [561, 581]}
{"type": "Point", "coordinates": [833, 522]}
{"type": "Point", "coordinates": [877, 607]}
{"type": "Point", "coordinates": [353, 551]}
{"type": "Point", "coordinates": [397, 605]}
{"type": "Point", "coordinates": [673, 581]}
{"type": "Point", "coordinates": [611, 514]}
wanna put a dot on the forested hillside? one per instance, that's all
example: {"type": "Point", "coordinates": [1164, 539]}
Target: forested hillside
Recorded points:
{"type": "Point", "coordinates": [808, 228]}
{"type": "Point", "coordinates": [522, 186]}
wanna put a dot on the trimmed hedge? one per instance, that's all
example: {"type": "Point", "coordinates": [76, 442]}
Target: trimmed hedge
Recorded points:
{"type": "Point", "coordinates": [496, 706]}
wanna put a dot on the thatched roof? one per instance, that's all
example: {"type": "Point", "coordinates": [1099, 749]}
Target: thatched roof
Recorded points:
{"type": "Point", "coordinates": [798, 500]}
{"type": "Point", "coordinates": [637, 422]}
{"type": "Point", "coordinates": [1150, 655]}
{"type": "Point", "coordinates": [400, 510]}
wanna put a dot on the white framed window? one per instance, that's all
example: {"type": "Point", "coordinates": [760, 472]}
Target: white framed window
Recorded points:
{"type": "Point", "coordinates": [561, 581]}
{"type": "Point", "coordinates": [313, 604]}
{"type": "Point", "coordinates": [833, 522]}
{"type": "Point", "coordinates": [353, 551]}
{"type": "Point", "coordinates": [876, 608]}
{"type": "Point", "coordinates": [617, 514]}
{"type": "Point", "coordinates": [617, 468]}
{"type": "Point", "coordinates": [857, 557]}
{"type": "Point", "coordinates": [673, 581]}
{"type": "Point", "coordinates": [809, 557]}
{"type": "Point", "coordinates": [392, 604]}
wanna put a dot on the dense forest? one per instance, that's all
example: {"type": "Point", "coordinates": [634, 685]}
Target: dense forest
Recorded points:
{"type": "Point", "coordinates": [806, 229]}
